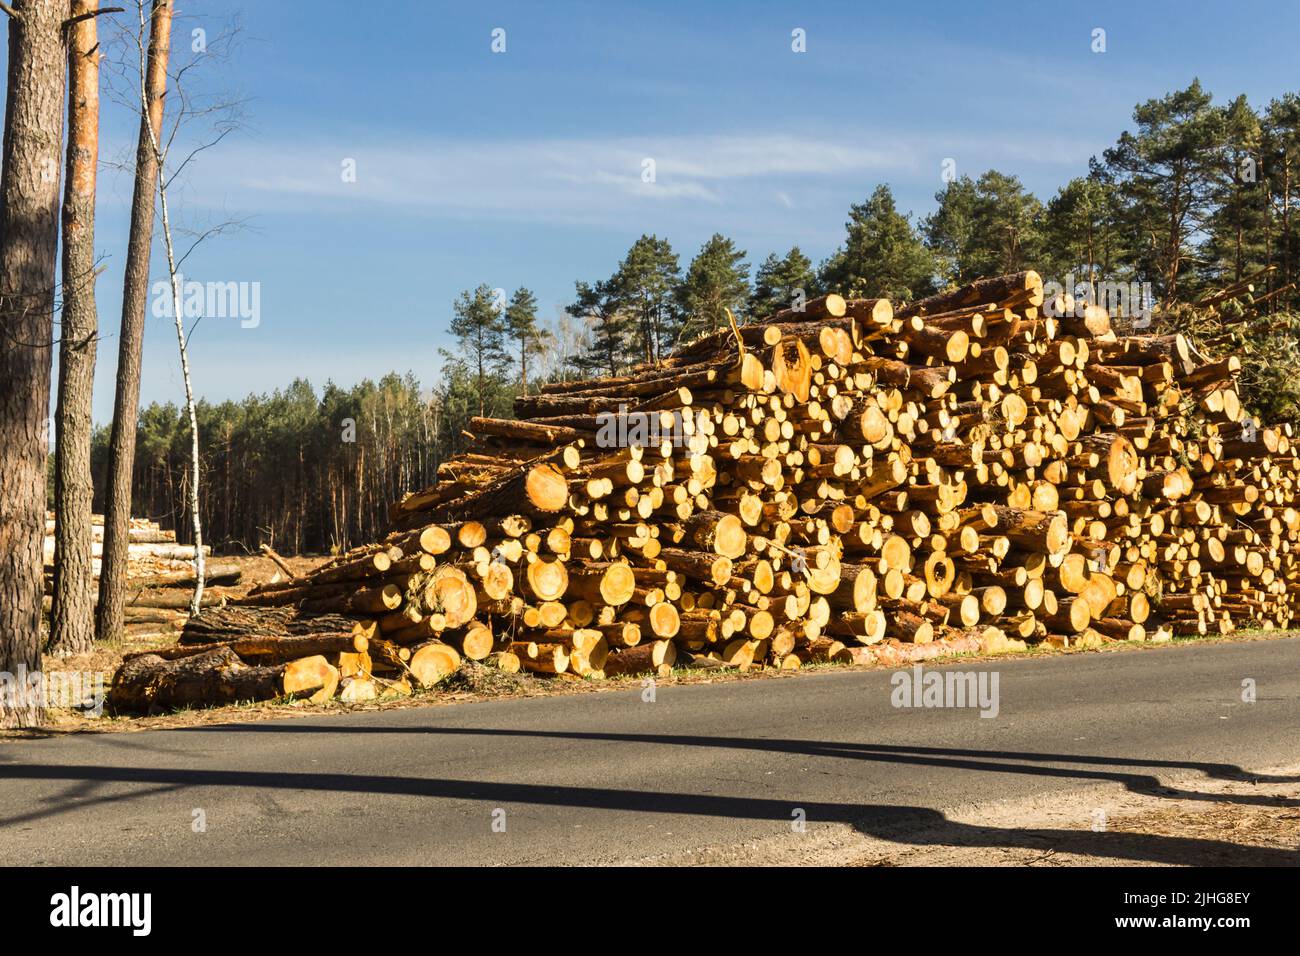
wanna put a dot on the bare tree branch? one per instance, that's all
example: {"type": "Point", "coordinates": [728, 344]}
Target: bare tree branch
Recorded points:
{"type": "Point", "coordinates": [188, 159]}
{"type": "Point", "coordinates": [90, 16]}
{"type": "Point", "coordinates": [219, 229]}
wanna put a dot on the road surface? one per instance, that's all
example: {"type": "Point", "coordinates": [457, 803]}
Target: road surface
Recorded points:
{"type": "Point", "coordinates": [607, 777]}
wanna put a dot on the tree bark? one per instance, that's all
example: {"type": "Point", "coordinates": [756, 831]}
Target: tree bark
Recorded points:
{"type": "Point", "coordinates": [29, 205]}
{"type": "Point", "coordinates": [149, 682]}
{"type": "Point", "coordinates": [135, 300]}
{"type": "Point", "coordinates": [72, 627]}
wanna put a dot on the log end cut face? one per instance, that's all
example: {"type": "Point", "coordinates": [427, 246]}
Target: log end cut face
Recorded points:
{"type": "Point", "coordinates": [729, 538]}
{"type": "Point", "coordinates": [1122, 465]}
{"type": "Point", "coordinates": [546, 487]}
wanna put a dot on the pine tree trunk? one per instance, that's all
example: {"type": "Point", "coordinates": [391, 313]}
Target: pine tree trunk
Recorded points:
{"type": "Point", "coordinates": [29, 210]}
{"type": "Point", "coordinates": [135, 300]}
{"type": "Point", "coordinates": [72, 620]}
{"type": "Point", "coordinates": [1286, 222]}
{"type": "Point", "coordinates": [1171, 278]}
{"type": "Point", "coordinates": [1092, 272]}
{"type": "Point", "coordinates": [1239, 266]}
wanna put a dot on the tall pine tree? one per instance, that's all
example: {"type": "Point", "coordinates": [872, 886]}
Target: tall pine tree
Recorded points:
{"type": "Point", "coordinates": [716, 280]}
{"type": "Point", "coordinates": [1282, 169]}
{"type": "Point", "coordinates": [478, 323]}
{"type": "Point", "coordinates": [950, 230]}
{"type": "Point", "coordinates": [612, 330]}
{"type": "Point", "coordinates": [984, 227]}
{"type": "Point", "coordinates": [1166, 173]}
{"type": "Point", "coordinates": [645, 286]}
{"type": "Point", "coordinates": [526, 336]}
{"type": "Point", "coordinates": [778, 282]}
{"type": "Point", "coordinates": [883, 255]}
{"type": "Point", "coordinates": [1237, 227]}
{"type": "Point", "coordinates": [1079, 231]}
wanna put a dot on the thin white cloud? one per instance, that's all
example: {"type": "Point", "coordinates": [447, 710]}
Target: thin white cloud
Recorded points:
{"type": "Point", "coordinates": [600, 181]}
{"type": "Point", "coordinates": [542, 178]}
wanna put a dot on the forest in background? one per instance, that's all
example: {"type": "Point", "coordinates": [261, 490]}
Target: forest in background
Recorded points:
{"type": "Point", "coordinates": [1196, 196]}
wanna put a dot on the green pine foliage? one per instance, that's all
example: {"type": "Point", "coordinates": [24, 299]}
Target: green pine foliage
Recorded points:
{"type": "Point", "coordinates": [779, 283]}
{"type": "Point", "coordinates": [716, 280]}
{"type": "Point", "coordinates": [645, 290]}
{"type": "Point", "coordinates": [883, 255]}
{"type": "Point", "coordinates": [479, 325]}
{"type": "Point", "coordinates": [1167, 172]}
{"type": "Point", "coordinates": [525, 334]}
{"type": "Point", "coordinates": [984, 227]}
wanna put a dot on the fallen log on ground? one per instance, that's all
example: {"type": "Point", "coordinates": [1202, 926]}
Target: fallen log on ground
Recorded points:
{"type": "Point", "coordinates": [149, 682]}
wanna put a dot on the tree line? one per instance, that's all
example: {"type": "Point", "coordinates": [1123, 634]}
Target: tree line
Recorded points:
{"type": "Point", "coordinates": [300, 470]}
{"type": "Point", "coordinates": [1196, 196]}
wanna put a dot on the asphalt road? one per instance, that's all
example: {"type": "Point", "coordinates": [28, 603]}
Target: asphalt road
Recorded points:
{"type": "Point", "coordinates": [609, 776]}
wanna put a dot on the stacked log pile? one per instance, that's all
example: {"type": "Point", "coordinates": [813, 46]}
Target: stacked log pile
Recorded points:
{"type": "Point", "coordinates": [844, 482]}
{"type": "Point", "coordinates": [151, 549]}
{"type": "Point", "coordinates": [158, 573]}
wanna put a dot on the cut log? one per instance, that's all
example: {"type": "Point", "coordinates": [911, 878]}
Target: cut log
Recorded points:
{"type": "Point", "coordinates": [432, 662]}
{"type": "Point", "coordinates": [218, 676]}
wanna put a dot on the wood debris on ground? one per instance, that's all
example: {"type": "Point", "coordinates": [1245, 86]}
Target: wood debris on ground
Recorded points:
{"type": "Point", "coordinates": [158, 572]}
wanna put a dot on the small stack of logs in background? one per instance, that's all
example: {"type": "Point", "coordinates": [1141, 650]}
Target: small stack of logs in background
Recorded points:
{"type": "Point", "coordinates": [979, 470]}
{"type": "Point", "coordinates": [158, 573]}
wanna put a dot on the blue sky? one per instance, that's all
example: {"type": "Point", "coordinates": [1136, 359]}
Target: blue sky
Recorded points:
{"type": "Point", "coordinates": [523, 167]}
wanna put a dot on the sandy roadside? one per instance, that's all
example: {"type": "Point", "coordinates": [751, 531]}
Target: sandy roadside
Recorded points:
{"type": "Point", "coordinates": [1189, 821]}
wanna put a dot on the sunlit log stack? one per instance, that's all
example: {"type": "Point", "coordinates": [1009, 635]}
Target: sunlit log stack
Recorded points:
{"type": "Point", "coordinates": [844, 482]}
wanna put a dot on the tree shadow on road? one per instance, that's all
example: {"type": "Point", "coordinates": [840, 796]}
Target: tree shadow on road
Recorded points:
{"type": "Point", "coordinates": [955, 758]}
{"type": "Point", "coordinates": [910, 825]}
